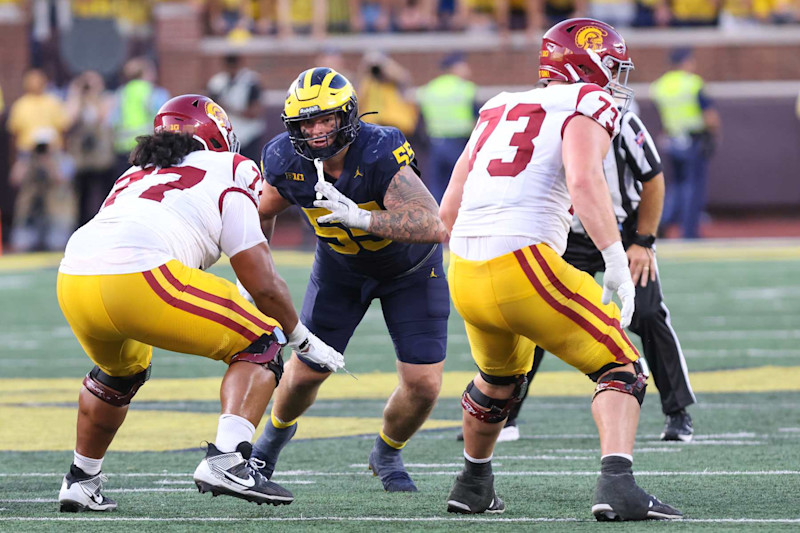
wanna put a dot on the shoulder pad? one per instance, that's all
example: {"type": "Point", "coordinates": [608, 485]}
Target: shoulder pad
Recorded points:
{"type": "Point", "coordinates": [380, 142]}
{"type": "Point", "coordinates": [277, 155]}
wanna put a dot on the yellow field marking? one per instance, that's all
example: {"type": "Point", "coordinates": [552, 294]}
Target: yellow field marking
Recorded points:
{"type": "Point", "coordinates": [681, 251]}
{"type": "Point", "coordinates": [379, 385]}
{"type": "Point", "coordinates": [53, 429]}
{"type": "Point", "coordinates": [730, 250]}
{"type": "Point", "coordinates": [33, 261]}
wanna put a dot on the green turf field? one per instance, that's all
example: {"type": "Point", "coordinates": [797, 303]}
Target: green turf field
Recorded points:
{"type": "Point", "coordinates": [736, 308]}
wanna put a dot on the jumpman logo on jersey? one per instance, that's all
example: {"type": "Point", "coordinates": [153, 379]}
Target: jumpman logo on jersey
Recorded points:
{"type": "Point", "coordinates": [358, 173]}
{"type": "Point", "coordinates": [433, 273]}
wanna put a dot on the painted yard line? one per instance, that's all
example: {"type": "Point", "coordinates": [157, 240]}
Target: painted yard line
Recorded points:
{"type": "Point", "coordinates": [423, 465]}
{"type": "Point", "coordinates": [177, 482]}
{"type": "Point", "coordinates": [533, 473]}
{"type": "Point", "coordinates": [746, 352]}
{"type": "Point", "coordinates": [148, 490]}
{"type": "Point", "coordinates": [594, 451]}
{"type": "Point", "coordinates": [709, 436]}
{"type": "Point", "coordinates": [30, 500]}
{"type": "Point", "coordinates": [700, 335]}
{"type": "Point", "coordinates": [484, 519]}
{"type": "Point", "coordinates": [706, 404]}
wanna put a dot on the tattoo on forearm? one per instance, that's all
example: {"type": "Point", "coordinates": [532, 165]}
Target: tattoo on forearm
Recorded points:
{"type": "Point", "coordinates": [411, 213]}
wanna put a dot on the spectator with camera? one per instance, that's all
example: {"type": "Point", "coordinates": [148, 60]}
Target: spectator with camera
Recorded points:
{"type": "Point", "coordinates": [382, 89]}
{"type": "Point", "coordinates": [44, 207]}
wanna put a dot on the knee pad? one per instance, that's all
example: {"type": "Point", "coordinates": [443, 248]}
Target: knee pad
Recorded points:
{"type": "Point", "coordinates": [626, 382]}
{"type": "Point", "coordinates": [115, 391]}
{"type": "Point", "coordinates": [492, 410]}
{"type": "Point", "coordinates": [265, 351]}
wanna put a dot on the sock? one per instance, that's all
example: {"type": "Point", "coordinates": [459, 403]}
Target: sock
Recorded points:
{"type": "Point", "coordinates": [616, 464]}
{"type": "Point", "coordinates": [275, 436]}
{"type": "Point", "coordinates": [477, 467]}
{"type": "Point", "coordinates": [87, 464]}
{"type": "Point", "coordinates": [397, 445]}
{"type": "Point", "coordinates": [232, 430]}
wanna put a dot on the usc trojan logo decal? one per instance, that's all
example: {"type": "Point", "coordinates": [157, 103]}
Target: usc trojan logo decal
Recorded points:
{"type": "Point", "coordinates": [590, 38]}
{"type": "Point", "coordinates": [216, 114]}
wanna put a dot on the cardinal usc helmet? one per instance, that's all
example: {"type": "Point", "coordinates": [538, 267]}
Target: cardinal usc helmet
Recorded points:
{"type": "Point", "coordinates": [201, 117]}
{"type": "Point", "coordinates": [586, 50]}
{"type": "Point", "coordinates": [315, 93]}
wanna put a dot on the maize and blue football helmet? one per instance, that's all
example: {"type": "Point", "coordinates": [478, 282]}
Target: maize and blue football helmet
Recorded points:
{"type": "Point", "coordinates": [318, 92]}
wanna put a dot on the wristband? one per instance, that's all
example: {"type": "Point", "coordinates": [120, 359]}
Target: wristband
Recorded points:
{"type": "Point", "coordinates": [299, 334]}
{"type": "Point", "coordinates": [645, 241]}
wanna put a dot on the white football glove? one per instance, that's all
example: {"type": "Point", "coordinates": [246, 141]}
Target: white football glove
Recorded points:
{"type": "Point", "coordinates": [617, 278]}
{"type": "Point", "coordinates": [305, 343]}
{"type": "Point", "coordinates": [246, 295]}
{"type": "Point", "coordinates": [342, 208]}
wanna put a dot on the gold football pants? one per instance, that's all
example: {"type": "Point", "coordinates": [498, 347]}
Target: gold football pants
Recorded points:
{"type": "Point", "coordinates": [119, 318]}
{"type": "Point", "coordinates": [532, 296]}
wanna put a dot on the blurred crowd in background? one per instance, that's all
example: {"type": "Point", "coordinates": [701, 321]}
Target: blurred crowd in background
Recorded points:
{"type": "Point", "coordinates": [72, 129]}
{"type": "Point", "coordinates": [241, 19]}
{"type": "Point", "coordinates": [287, 17]}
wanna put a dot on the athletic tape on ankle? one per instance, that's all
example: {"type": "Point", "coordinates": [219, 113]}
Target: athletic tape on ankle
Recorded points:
{"type": "Point", "coordinates": [391, 442]}
{"type": "Point", "coordinates": [280, 424]}
{"type": "Point", "coordinates": [471, 459]}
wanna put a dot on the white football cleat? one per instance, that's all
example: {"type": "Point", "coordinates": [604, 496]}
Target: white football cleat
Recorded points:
{"type": "Point", "coordinates": [81, 492]}
{"type": "Point", "coordinates": [234, 474]}
{"type": "Point", "coordinates": [508, 434]}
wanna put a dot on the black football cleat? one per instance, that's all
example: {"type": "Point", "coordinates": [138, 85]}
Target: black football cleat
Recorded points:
{"type": "Point", "coordinates": [387, 463]}
{"type": "Point", "coordinates": [678, 426]}
{"type": "Point", "coordinates": [474, 495]}
{"type": "Point", "coordinates": [617, 497]}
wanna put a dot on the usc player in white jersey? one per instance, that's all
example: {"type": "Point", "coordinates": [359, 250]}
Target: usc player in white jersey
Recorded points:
{"type": "Point", "coordinates": [133, 278]}
{"type": "Point", "coordinates": [532, 158]}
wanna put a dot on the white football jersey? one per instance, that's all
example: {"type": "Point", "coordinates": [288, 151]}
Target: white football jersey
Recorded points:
{"type": "Point", "coordinates": [516, 184]}
{"type": "Point", "coordinates": [191, 212]}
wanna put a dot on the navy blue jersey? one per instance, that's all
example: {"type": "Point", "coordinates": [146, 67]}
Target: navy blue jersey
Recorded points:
{"type": "Point", "coordinates": [372, 160]}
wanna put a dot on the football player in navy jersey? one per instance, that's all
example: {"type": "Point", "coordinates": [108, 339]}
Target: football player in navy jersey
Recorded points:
{"type": "Point", "coordinates": [379, 236]}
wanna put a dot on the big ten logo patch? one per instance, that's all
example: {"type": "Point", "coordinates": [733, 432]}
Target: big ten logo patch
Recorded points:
{"type": "Point", "coordinates": [295, 176]}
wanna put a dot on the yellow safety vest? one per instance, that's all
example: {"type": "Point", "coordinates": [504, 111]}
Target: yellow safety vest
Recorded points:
{"type": "Point", "coordinates": [448, 106]}
{"type": "Point", "coordinates": [676, 94]}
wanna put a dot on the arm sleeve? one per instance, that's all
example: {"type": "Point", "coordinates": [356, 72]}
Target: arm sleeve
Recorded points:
{"type": "Point", "coordinates": [641, 155]}
{"type": "Point", "coordinates": [241, 228]}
